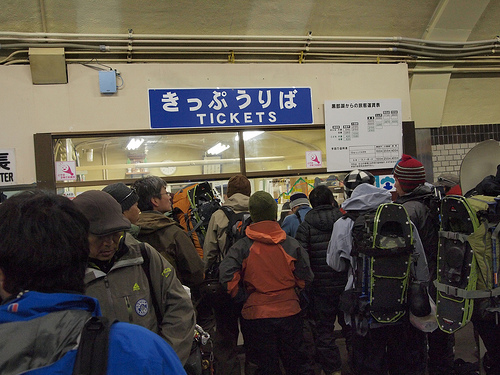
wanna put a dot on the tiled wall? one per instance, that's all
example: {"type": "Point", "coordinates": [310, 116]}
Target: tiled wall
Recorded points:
{"type": "Point", "coordinates": [451, 143]}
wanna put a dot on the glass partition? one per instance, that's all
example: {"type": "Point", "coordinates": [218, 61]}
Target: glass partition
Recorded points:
{"type": "Point", "coordinates": [181, 156]}
{"type": "Point", "coordinates": [130, 157]}
{"type": "Point", "coordinates": [282, 149]}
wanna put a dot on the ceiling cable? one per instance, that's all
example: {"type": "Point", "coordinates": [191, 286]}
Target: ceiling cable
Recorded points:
{"type": "Point", "coordinates": [131, 47]}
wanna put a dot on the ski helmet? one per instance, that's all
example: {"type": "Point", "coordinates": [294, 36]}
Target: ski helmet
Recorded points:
{"type": "Point", "coordinates": [355, 178]}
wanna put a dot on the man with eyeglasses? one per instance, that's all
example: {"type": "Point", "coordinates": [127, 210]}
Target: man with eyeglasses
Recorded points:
{"type": "Point", "coordinates": [131, 280]}
{"type": "Point", "coordinates": [165, 234]}
{"type": "Point", "coordinates": [127, 198]}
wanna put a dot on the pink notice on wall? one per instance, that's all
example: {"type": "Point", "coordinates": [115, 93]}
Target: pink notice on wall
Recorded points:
{"type": "Point", "coordinates": [66, 170]}
{"type": "Point", "coordinates": [314, 159]}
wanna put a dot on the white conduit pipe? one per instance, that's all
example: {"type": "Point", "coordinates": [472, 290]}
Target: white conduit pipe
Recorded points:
{"type": "Point", "coordinates": [208, 61]}
{"type": "Point", "coordinates": [147, 38]}
{"type": "Point", "coordinates": [421, 44]}
{"type": "Point", "coordinates": [303, 39]}
{"type": "Point", "coordinates": [330, 49]}
{"type": "Point", "coordinates": [86, 43]}
{"type": "Point", "coordinates": [102, 48]}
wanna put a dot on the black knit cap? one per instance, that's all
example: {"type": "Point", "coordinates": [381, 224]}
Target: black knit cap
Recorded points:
{"type": "Point", "coordinates": [102, 211]}
{"type": "Point", "coordinates": [123, 195]}
{"type": "Point", "coordinates": [262, 206]}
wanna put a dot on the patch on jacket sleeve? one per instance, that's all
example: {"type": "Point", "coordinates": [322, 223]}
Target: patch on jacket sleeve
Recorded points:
{"type": "Point", "coordinates": [141, 307]}
{"type": "Point", "coordinates": [13, 307]}
{"type": "Point", "coordinates": [166, 272]}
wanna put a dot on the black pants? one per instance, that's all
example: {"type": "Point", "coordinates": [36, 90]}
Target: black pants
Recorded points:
{"type": "Point", "coordinates": [441, 355]}
{"type": "Point", "coordinates": [490, 334]}
{"type": "Point", "coordinates": [398, 349]}
{"type": "Point", "coordinates": [324, 311]}
{"type": "Point", "coordinates": [227, 314]}
{"type": "Point", "coordinates": [269, 340]}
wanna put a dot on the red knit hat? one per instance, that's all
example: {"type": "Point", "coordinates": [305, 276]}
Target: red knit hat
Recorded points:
{"type": "Point", "coordinates": [409, 172]}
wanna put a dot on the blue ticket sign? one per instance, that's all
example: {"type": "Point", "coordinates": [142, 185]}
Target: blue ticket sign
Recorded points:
{"type": "Point", "coordinates": [184, 108]}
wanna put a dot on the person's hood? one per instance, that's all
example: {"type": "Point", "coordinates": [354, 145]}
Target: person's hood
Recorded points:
{"type": "Point", "coordinates": [31, 305]}
{"type": "Point", "coordinates": [151, 221]}
{"type": "Point", "coordinates": [266, 231]}
{"type": "Point", "coordinates": [366, 197]}
{"type": "Point", "coordinates": [238, 202]}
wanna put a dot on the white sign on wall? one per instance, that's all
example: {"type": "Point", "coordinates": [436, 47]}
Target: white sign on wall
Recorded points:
{"type": "Point", "coordinates": [386, 182]}
{"type": "Point", "coordinates": [365, 134]}
{"type": "Point", "coordinates": [314, 159]}
{"type": "Point", "coordinates": [66, 170]}
{"type": "Point", "coordinates": [7, 167]}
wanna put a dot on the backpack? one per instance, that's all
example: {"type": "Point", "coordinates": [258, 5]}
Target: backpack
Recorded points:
{"type": "Point", "coordinates": [237, 224]}
{"type": "Point", "coordinates": [193, 207]}
{"type": "Point", "coordinates": [433, 204]}
{"type": "Point", "coordinates": [382, 248]}
{"type": "Point", "coordinates": [467, 261]}
{"type": "Point", "coordinates": [235, 230]}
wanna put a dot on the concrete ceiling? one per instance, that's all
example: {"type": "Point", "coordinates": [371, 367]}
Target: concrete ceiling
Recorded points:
{"type": "Point", "coordinates": [367, 18]}
{"type": "Point", "coordinates": [278, 18]}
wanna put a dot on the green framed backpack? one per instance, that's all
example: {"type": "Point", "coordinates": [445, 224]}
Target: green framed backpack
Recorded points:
{"type": "Point", "coordinates": [383, 247]}
{"type": "Point", "coordinates": [467, 278]}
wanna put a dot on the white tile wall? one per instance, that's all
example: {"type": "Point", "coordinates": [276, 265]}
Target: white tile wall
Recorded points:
{"type": "Point", "coordinates": [447, 158]}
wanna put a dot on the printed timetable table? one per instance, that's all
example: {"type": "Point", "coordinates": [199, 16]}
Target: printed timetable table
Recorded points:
{"type": "Point", "coordinates": [363, 134]}
{"type": "Point", "coordinates": [365, 156]}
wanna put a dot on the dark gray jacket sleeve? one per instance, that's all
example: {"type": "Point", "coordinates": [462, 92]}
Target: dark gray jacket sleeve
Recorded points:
{"type": "Point", "coordinates": [177, 326]}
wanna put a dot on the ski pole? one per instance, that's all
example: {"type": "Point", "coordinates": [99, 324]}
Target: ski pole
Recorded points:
{"type": "Point", "coordinates": [494, 238]}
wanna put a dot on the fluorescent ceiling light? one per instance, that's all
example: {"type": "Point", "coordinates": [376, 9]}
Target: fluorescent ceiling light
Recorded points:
{"type": "Point", "coordinates": [249, 135]}
{"type": "Point", "coordinates": [135, 143]}
{"type": "Point", "coordinates": [217, 149]}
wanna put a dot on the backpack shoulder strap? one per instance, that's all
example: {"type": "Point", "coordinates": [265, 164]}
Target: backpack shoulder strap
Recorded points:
{"type": "Point", "coordinates": [231, 218]}
{"type": "Point", "coordinates": [92, 354]}
{"type": "Point", "coordinates": [353, 215]}
{"type": "Point", "coordinates": [298, 216]}
{"type": "Point", "coordinates": [228, 211]}
{"type": "Point", "coordinates": [147, 271]}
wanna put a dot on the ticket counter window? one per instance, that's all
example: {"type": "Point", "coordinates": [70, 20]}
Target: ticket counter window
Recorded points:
{"type": "Point", "coordinates": [131, 157]}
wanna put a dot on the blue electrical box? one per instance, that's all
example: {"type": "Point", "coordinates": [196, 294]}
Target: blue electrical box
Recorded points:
{"type": "Point", "coordinates": [107, 81]}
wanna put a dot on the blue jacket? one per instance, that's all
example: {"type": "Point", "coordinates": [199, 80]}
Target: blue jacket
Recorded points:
{"type": "Point", "coordinates": [292, 221]}
{"type": "Point", "coordinates": [40, 334]}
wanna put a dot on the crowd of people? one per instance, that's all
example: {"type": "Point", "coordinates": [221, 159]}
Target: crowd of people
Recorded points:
{"type": "Point", "coordinates": [283, 288]}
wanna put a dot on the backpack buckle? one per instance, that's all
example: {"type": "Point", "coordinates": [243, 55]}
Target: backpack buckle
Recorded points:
{"type": "Point", "coordinates": [451, 290]}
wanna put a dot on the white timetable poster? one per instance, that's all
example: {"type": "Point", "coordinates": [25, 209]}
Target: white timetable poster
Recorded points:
{"type": "Point", "coordinates": [365, 134]}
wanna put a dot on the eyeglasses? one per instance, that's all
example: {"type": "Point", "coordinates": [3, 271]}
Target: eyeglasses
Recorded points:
{"type": "Point", "coordinates": [99, 240]}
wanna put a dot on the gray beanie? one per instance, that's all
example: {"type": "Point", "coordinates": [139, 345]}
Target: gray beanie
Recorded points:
{"type": "Point", "coordinates": [298, 199]}
{"type": "Point", "coordinates": [262, 206]}
{"type": "Point", "coordinates": [123, 195]}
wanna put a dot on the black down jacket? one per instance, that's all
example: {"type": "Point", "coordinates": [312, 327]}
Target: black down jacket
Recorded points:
{"type": "Point", "coordinates": [313, 235]}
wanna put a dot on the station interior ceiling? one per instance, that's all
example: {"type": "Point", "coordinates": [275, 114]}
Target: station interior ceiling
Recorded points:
{"type": "Point", "coordinates": [459, 36]}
